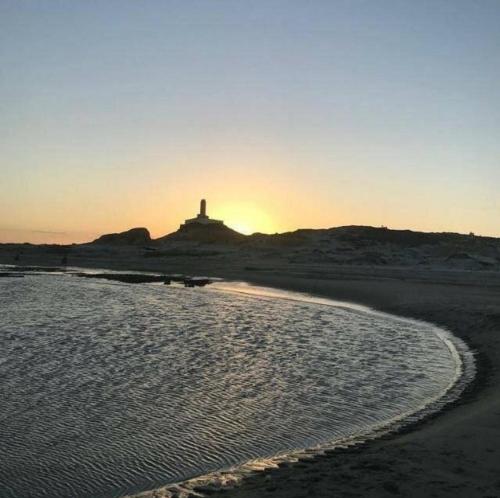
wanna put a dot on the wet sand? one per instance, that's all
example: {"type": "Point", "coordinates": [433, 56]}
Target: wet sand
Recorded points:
{"type": "Point", "coordinates": [456, 453]}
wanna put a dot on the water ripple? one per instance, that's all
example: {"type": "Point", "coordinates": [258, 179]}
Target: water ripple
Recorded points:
{"type": "Point", "coordinates": [111, 389]}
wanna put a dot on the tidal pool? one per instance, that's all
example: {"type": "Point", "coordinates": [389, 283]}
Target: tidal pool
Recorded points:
{"type": "Point", "coordinates": [108, 389]}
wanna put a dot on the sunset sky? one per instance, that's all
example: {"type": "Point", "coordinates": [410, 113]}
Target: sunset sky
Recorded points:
{"type": "Point", "coordinates": [282, 114]}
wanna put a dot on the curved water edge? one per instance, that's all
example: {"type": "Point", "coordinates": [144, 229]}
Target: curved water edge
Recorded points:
{"type": "Point", "coordinates": [465, 370]}
{"type": "Point", "coordinates": [252, 371]}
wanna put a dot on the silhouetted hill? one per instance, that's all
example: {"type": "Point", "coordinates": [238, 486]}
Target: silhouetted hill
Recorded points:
{"type": "Point", "coordinates": [364, 235]}
{"type": "Point", "coordinates": [135, 236]}
{"type": "Point", "coordinates": [371, 246]}
{"type": "Point", "coordinates": [359, 246]}
{"type": "Point", "coordinates": [347, 245]}
{"type": "Point", "coordinates": [408, 238]}
{"type": "Point", "coordinates": [194, 232]}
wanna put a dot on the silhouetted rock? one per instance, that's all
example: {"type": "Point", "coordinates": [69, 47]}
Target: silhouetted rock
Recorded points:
{"type": "Point", "coordinates": [197, 232]}
{"type": "Point", "coordinates": [135, 236]}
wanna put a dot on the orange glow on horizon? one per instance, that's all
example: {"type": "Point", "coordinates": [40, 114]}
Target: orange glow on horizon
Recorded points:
{"type": "Point", "coordinates": [245, 218]}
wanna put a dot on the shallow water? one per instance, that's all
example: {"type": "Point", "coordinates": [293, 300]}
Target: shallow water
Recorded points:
{"type": "Point", "coordinates": [108, 389]}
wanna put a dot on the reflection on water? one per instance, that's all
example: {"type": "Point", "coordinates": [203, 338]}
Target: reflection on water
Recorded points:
{"type": "Point", "coordinates": [109, 389]}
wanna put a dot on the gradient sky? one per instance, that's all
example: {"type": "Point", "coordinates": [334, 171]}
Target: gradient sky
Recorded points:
{"type": "Point", "coordinates": [283, 114]}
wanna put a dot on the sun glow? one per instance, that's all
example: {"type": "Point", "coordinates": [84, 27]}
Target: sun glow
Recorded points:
{"type": "Point", "coordinates": [242, 228]}
{"type": "Point", "coordinates": [244, 218]}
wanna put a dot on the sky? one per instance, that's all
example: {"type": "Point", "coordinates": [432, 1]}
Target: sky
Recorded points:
{"type": "Point", "coordinates": [282, 114]}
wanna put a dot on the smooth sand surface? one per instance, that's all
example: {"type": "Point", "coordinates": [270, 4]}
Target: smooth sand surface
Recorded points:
{"type": "Point", "coordinates": [456, 453]}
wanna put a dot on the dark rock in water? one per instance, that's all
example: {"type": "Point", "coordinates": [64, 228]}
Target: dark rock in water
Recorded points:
{"type": "Point", "coordinates": [129, 278]}
{"type": "Point", "coordinates": [138, 278]}
{"type": "Point", "coordinates": [196, 282]}
{"type": "Point", "coordinates": [135, 236]}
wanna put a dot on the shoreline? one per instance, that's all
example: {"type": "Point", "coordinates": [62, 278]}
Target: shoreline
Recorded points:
{"type": "Point", "coordinates": [216, 483]}
{"type": "Point", "coordinates": [451, 453]}
{"type": "Point", "coordinates": [357, 471]}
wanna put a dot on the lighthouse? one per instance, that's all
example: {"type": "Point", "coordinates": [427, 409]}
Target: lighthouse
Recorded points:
{"type": "Point", "coordinates": [203, 209]}
{"type": "Point", "coordinates": [202, 218]}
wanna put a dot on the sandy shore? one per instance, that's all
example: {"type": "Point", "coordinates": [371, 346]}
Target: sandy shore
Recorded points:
{"type": "Point", "coordinates": [454, 454]}
{"type": "Point", "coordinates": [457, 452]}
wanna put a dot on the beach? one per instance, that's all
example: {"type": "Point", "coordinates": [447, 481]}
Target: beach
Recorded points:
{"type": "Point", "coordinates": [453, 453]}
{"type": "Point", "coordinates": [250, 249]}
{"type": "Point", "coordinates": [456, 452]}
